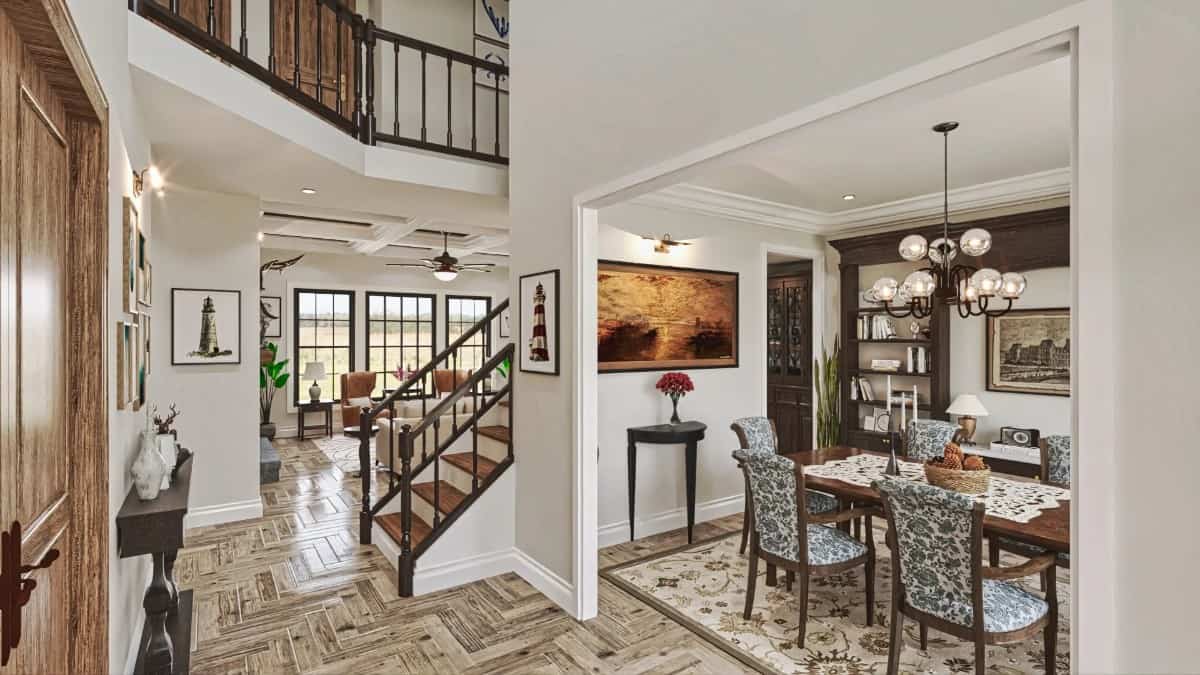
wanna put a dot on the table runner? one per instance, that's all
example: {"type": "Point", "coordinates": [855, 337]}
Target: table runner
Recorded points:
{"type": "Point", "coordinates": [1018, 501]}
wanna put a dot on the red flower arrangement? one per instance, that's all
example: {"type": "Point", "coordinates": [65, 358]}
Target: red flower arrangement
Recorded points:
{"type": "Point", "coordinates": [675, 385]}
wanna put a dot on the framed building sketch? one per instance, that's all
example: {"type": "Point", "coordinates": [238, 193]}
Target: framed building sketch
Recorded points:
{"type": "Point", "coordinates": [206, 326]}
{"type": "Point", "coordinates": [652, 317]}
{"type": "Point", "coordinates": [131, 233]}
{"type": "Point", "coordinates": [1029, 352]}
{"type": "Point", "coordinates": [538, 342]}
{"type": "Point", "coordinates": [506, 323]}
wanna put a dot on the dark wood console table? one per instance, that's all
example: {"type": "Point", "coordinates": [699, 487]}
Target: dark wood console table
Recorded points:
{"type": "Point", "coordinates": [155, 528]}
{"type": "Point", "coordinates": [322, 406]}
{"type": "Point", "coordinates": [687, 433]}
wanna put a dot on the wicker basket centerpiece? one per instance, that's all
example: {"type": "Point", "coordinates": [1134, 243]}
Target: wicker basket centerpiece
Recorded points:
{"type": "Point", "coordinates": [954, 471]}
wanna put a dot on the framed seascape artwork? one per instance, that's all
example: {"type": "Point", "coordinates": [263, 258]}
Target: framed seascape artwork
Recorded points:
{"type": "Point", "coordinates": [206, 326]}
{"type": "Point", "coordinates": [538, 342]}
{"type": "Point", "coordinates": [131, 235]}
{"type": "Point", "coordinates": [653, 317]}
{"type": "Point", "coordinates": [1029, 352]}
{"type": "Point", "coordinates": [271, 314]}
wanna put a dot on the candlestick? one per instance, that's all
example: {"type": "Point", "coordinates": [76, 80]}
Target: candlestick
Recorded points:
{"type": "Point", "coordinates": [903, 412]}
{"type": "Point", "coordinates": [914, 403]}
{"type": "Point", "coordinates": [888, 395]}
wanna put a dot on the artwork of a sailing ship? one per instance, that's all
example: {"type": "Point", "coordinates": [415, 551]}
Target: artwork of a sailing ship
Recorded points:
{"type": "Point", "coordinates": [661, 318]}
{"type": "Point", "coordinates": [205, 326]}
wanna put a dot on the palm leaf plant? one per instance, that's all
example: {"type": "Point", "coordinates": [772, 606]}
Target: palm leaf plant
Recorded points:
{"type": "Point", "coordinates": [272, 376]}
{"type": "Point", "coordinates": [825, 380]}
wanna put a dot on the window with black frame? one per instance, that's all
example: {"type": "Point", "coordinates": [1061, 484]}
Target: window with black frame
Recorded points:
{"type": "Point", "coordinates": [324, 332]}
{"type": "Point", "coordinates": [400, 332]}
{"type": "Point", "coordinates": [463, 312]}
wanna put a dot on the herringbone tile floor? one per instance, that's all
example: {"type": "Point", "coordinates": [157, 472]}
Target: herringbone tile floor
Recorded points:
{"type": "Point", "coordinates": [294, 592]}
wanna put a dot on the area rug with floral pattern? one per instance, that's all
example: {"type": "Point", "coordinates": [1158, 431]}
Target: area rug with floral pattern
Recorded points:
{"type": "Point", "coordinates": [703, 587]}
{"type": "Point", "coordinates": [342, 451]}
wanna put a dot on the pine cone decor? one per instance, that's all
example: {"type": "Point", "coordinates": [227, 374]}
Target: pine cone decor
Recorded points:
{"type": "Point", "coordinates": [974, 463]}
{"type": "Point", "coordinates": [953, 452]}
{"type": "Point", "coordinates": [952, 463]}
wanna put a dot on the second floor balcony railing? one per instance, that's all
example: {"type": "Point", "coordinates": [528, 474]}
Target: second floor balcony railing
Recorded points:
{"type": "Point", "coordinates": [375, 84]}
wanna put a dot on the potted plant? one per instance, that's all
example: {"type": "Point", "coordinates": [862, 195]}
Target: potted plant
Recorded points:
{"type": "Point", "coordinates": [825, 381]}
{"type": "Point", "coordinates": [675, 386]}
{"type": "Point", "coordinates": [272, 376]}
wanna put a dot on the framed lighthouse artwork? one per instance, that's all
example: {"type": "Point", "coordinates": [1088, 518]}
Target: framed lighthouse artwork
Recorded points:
{"type": "Point", "coordinates": [206, 327]}
{"type": "Point", "coordinates": [538, 340]}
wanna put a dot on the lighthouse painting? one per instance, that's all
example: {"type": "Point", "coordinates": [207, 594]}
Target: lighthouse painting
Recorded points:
{"type": "Point", "coordinates": [539, 323]}
{"type": "Point", "coordinates": [205, 326]}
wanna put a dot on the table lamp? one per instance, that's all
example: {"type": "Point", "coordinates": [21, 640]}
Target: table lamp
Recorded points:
{"type": "Point", "coordinates": [315, 370]}
{"type": "Point", "coordinates": [967, 407]}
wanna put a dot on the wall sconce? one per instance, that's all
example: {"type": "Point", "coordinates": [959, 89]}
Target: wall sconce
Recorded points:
{"type": "Point", "coordinates": [139, 180]}
{"type": "Point", "coordinates": [665, 243]}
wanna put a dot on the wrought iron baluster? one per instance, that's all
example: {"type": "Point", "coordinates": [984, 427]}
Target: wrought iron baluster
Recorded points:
{"type": "Point", "coordinates": [271, 36]}
{"type": "Point", "coordinates": [496, 90]}
{"type": "Point", "coordinates": [454, 386]}
{"type": "Point", "coordinates": [337, 78]}
{"type": "Point", "coordinates": [212, 18]}
{"type": "Point", "coordinates": [475, 454]}
{"type": "Point", "coordinates": [423, 131]}
{"type": "Point", "coordinates": [175, 7]}
{"type": "Point", "coordinates": [395, 88]}
{"type": "Point", "coordinates": [406, 559]}
{"type": "Point", "coordinates": [437, 504]}
{"type": "Point", "coordinates": [449, 103]}
{"type": "Point", "coordinates": [391, 467]}
{"type": "Point", "coordinates": [357, 32]}
{"type": "Point", "coordinates": [370, 40]}
{"type": "Point", "coordinates": [296, 43]}
{"type": "Point", "coordinates": [474, 140]}
{"type": "Point", "coordinates": [364, 462]}
{"type": "Point", "coordinates": [243, 42]}
{"type": "Point", "coordinates": [320, 30]}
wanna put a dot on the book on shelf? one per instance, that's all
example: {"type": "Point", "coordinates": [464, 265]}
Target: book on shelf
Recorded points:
{"type": "Point", "coordinates": [886, 364]}
{"type": "Point", "coordinates": [875, 327]}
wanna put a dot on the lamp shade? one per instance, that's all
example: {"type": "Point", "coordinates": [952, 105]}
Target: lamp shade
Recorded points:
{"type": "Point", "coordinates": [314, 370]}
{"type": "Point", "coordinates": [967, 404]}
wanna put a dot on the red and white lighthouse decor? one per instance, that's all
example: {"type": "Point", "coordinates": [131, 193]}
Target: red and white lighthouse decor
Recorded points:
{"type": "Point", "coordinates": [537, 340]}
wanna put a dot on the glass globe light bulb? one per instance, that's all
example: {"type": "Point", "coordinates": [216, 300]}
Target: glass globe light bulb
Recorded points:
{"type": "Point", "coordinates": [885, 289]}
{"type": "Point", "coordinates": [903, 296]}
{"type": "Point", "coordinates": [976, 241]}
{"type": "Point", "coordinates": [913, 247]}
{"type": "Point", "coordinates": [936, 250]}
{"type": "Point", "coordinates": [1012, 285]}
{"type": "Point", "coordinates": [968, 292]}
{"type": "Point", "coordinates": [986, 281]}
{"type": "Point", "coordinates": [920, 284]}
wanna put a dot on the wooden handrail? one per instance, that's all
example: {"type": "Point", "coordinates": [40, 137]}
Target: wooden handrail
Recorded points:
{"type": "Point", "coordinates": [438, 50]}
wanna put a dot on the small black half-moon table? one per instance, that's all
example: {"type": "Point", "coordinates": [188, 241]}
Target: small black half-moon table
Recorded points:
{"type": "Point", "coordinates": [686, 433]}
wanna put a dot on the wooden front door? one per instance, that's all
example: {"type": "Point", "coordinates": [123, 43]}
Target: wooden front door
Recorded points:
{"type": "Point", "coordinates": [789, 356]}
{"type": "Point", "coordinates": [336, 81]}
{"type": "Point", "coordinates": [51, 504]}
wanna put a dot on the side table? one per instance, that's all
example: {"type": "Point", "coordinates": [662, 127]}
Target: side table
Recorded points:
{"type": "Point", "coordinates": [687, 433]}
{"type": "Point", "coordinates": [325, 406]}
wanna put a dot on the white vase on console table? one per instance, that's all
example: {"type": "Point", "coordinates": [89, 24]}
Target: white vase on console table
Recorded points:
{"type": "Point", "coordinates": [166, 448]}
{"type": "Point", "coordinates": [149, 467]}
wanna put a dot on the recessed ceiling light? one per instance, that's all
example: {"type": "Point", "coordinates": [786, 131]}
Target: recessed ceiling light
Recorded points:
{"type": "Point", "coordinates": [849, 197]}
{"type": "Point", "coordinates": [308, 191]}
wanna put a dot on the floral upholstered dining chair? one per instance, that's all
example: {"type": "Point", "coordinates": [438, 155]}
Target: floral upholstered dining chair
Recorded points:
{"type": "Point", "coordinates": [926, 439]}
{"type": "Point", "coordinates": [788, 537]}
{"type": "Point", "coordinates": [938, 577]}
{"type": "Point", "coordinates": [1056, 470]}
{"type": "Point", "coordinates": [757, 434]}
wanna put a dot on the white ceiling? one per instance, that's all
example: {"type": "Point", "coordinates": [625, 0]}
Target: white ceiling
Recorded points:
{"type": "Point", "coordinates": [1014, 125]}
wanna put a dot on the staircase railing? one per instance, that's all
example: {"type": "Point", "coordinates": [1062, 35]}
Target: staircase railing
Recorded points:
{"type": "Point", "coordinates": [404, 445]}
{"type": "Point", "coordinates": [295, 57]}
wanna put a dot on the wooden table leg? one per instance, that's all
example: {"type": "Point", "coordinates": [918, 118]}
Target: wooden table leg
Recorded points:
{"type": "Point", "coordinates": [329, 421]}
{"type": "Point", "coordinates": [169, 573]}
{"type": "Point", "coordinates": [300, 422]}
{"type": "Point", "coordinates": [159, 654]}
{"type": "Point", "coordinates": [631, 460]}
{"type": "Point", "coordinates": [771, 581]}
{"type": "Point", "coordinates": [690, 461]}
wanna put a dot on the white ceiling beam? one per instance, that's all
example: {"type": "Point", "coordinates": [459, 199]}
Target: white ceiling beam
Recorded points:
{"type": "Point", "coordinates": [388, 233]}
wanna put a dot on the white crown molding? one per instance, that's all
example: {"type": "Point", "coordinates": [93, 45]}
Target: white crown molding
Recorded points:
{"type": "Point", "coordinates": [1021, 190]}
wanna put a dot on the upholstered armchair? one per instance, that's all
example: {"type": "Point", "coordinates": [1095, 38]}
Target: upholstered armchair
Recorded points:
{"type": "Point", "coordinates": [757, 434]}
{"type": "Point", "coordinates": [788, 537]}
{"type": "Point", "coordinates": [936, 538]}
{"type": "Point", "coordinates": [1056, 470]}
{"type": "Point", "coordinates": [926, 439]}
{"type": "Point", "coordinates": [446, 381]}
{"type": "Point", "coordinates": [356, 394]}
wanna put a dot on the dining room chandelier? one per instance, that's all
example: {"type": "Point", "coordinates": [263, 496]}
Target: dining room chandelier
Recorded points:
{"type": "Point", "coordinates": [970, 289]}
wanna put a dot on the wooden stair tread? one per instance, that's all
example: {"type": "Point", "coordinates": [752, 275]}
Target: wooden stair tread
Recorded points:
{"type": "Point", "coordinates": [462, 460]}
{"type": "Point", "coordinates": [449, 497]}
{"type": "Point", "coordinates": [392, 524]}
{"type": "Point", "coordinates": [496, 432]}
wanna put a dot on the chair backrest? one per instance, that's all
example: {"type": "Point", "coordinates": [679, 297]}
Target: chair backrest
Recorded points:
{"type": "Point", "coordinates": [926, 439]}
{"type": "Point", "coordinates": [774, 494]}
{"type": "Point", "coordinates": [755, 434]}
{"type": "Point", "coordinates": [937, 543]}
{"type": "Point", "coordinates": [356, 385]}
{"type": "Point", "coordinates": [1056, 459]}
{"type": "Point", "coordinates": [446, 381]}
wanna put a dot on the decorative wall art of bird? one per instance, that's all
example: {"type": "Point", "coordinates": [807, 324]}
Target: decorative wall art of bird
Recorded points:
{"type": "Point", "coordinates": [445, 266]}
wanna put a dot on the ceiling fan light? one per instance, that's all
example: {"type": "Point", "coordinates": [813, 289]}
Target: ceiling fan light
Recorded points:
{"type": "Point", "coordinates": [913, 247]}
{"type": "Point", "coordinates": [445, 274]}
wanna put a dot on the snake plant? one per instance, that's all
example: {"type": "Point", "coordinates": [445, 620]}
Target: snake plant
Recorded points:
{"type": "Point", "coordinates": [825, 380]}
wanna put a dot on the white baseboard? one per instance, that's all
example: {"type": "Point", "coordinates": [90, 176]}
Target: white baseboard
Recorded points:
{"type": "Point", "coordinates": [665, 521]}
{"type": "Point", "coordinates": [464, 571]}
{"type": "Point", "coordinates": [223, 513]}
{"type": "Point", "coordinates": [285, 432]}
{"type": "Point", "coordinates": [545, 581]}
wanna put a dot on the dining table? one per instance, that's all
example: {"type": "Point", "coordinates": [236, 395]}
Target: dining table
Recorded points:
{"type": "Point", "coordinates": [1050, 529]}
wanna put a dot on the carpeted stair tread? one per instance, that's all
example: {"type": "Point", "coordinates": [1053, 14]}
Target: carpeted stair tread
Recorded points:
{"type": "Point", "coordinates": [496, 432]}
{"type": "Point", "coordinates": [449, 497]}
{"type": "Point", "coordinates": [462, 460]}
{"type": "Point", "coordinates": [392, 523]}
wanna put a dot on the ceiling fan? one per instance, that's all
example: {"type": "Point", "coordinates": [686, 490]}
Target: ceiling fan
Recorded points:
{"type": "Point", "coordinates": [445, 266]}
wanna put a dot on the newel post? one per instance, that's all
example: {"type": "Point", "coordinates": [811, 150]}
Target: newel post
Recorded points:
{"type": "Point", "coordinates": [364, 465]}
{"type": "Point", "coordinates": [405, 564]}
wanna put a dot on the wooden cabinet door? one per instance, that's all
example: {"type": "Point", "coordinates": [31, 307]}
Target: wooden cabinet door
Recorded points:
{"type": "Point", "coordinates": [789, 359]}
{"type": "Point", "coordinates": [34, 408]}
{"type": "Point", "coordinates": [336, 37]}
{"type": "Point", "coordinates": [196, 11]}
